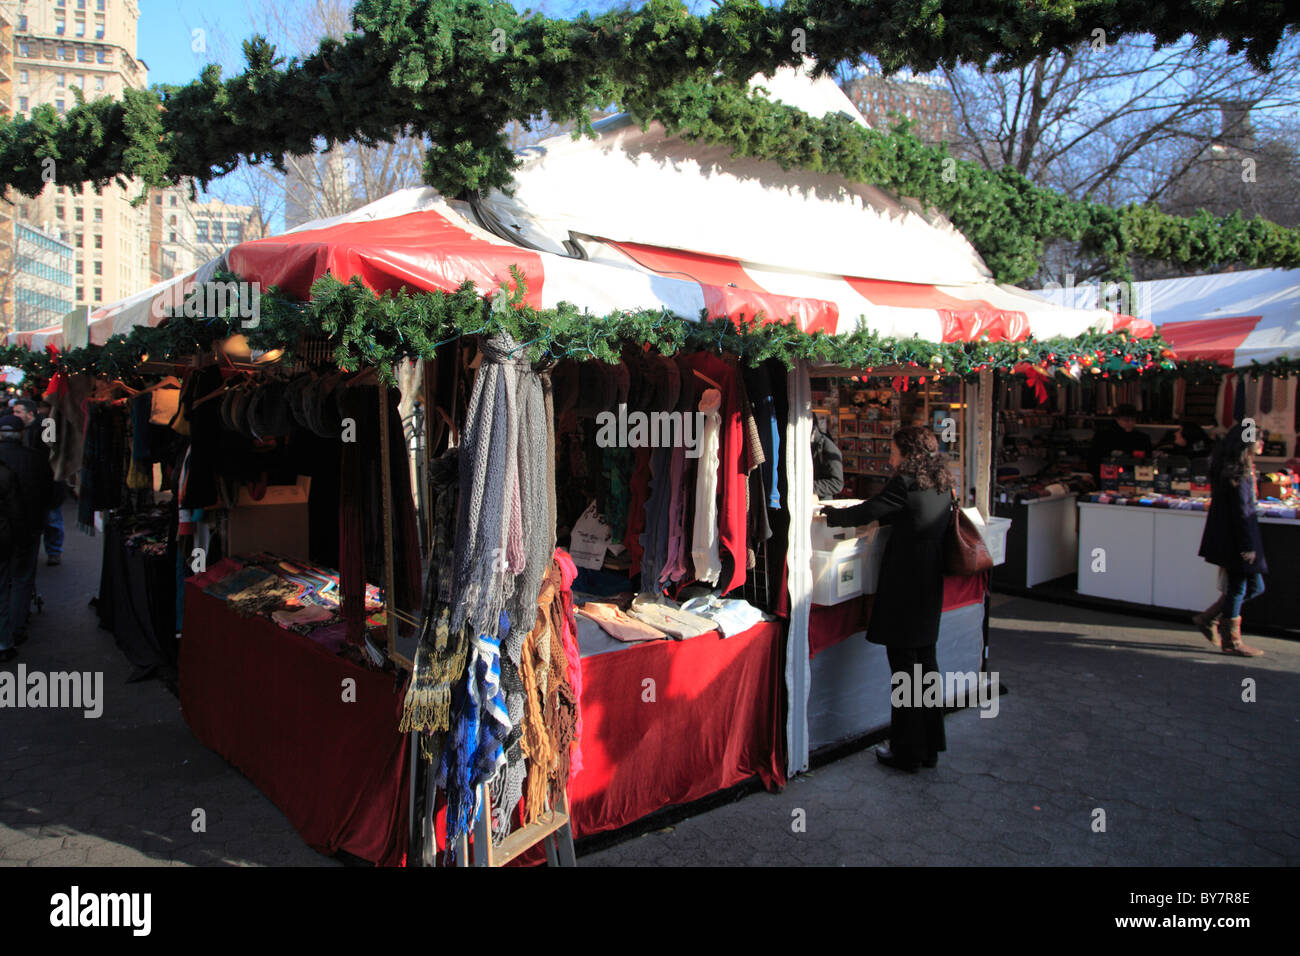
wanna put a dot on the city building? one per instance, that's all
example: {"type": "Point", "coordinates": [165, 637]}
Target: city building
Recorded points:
{"type": "Point", "coordinates": [188, 233]}
{"type": "Point", "coordinates": [88, 46]}
{"type": "Point", "coordinates": [924, 99]}
{"type": "Point", "coordinates": [7, 218]}
{"type": "Point", "coordinates": [43, 282]}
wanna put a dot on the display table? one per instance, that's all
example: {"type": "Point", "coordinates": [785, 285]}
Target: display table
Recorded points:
{"type": "Point", "coordinates": [1043, 542]}
{"type": "Point", "coordinates": [137, 602]}
{"type": "Point", "coordinates": [716, 719]}
{"type": "Point", "coordinates": [271, 702]}
{"type": "Point", "coordinates": [1149, 556]}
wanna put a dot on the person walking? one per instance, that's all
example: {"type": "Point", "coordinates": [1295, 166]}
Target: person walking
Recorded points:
{"type": "Point", "coordinates": [31, 470]}
{"type": "Point", "coordinates": [916, 503]}
{"type": "Point", "coordinates": [1232, 540]}
{"type": "Point", "coordinates": [11, 516]}
{"type": "Point", "coordinates": [33, 418]}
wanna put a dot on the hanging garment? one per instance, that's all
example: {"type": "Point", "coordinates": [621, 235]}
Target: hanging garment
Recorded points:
{"type": "Point", "coordinates": [758, 386]}
{"type": "Point", "coordinates": [1239, 400]}
{"type": "Point", "coordinates": [1265, 400]}
{"type": "Point", "coordinates": [731, 517]}
{"type": "Point", "coordinates": [533, 521]}
{"type": "Point", "coordinates": [679, 486]}
{"type": "Point", "coordinates": [573, 661]}
{"type": "Point", "coordinates": [441, 654]}
{"type": "Point", "coordinates": [639, 496]}
{"type": "Point", "coordinates": [704, 538]}
{"type": "Point", "coordinates": [654, 542]}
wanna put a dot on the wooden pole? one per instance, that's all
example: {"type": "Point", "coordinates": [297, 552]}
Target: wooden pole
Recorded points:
{"type": "Point", "coordinates": [984, 454]}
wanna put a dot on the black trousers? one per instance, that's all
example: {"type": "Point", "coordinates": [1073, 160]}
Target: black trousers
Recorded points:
{"type": "Point", "coordinates": [915, 732]}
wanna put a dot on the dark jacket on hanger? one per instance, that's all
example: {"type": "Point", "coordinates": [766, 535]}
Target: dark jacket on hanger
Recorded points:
{"type": "Point", "coordinates": [1232, 528]}
{"type": "Point", "coordinates": [909, 595]}
{"type": "Point", "coordinates": [828, 465]}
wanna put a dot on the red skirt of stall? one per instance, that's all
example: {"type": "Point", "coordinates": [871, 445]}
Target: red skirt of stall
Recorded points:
{"type": "Point", "coordinates": [274, 704]}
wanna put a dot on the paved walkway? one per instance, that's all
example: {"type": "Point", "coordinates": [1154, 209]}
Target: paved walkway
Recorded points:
{"type": "Point", "coordinates": [1137, 718]}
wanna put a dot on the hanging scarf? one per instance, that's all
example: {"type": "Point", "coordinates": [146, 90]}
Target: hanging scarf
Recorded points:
{"type": "Point", "coordinates": [441, 654]}
{"type": "Point", "coordinates": [534, 480]}
{"type": "Point", "coordinates": [481, 581]}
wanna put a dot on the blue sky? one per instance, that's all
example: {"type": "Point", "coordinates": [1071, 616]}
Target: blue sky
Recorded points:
{"type": "Point", "coordinates": [165, 40]}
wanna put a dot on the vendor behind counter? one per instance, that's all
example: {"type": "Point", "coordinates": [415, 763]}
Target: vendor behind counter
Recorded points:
{"type": "Point", "coordinates": [1121, 438]}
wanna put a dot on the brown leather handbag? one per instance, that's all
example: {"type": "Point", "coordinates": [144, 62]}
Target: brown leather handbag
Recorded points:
{"type": "Point", "coordinates": [964, 551]}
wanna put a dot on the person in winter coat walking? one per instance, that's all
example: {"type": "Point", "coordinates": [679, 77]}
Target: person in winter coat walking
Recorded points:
{"type": "Point", "coordinates": [30, 468]}
{"type": "Point", "coordinates": [916, 503]}
{"type": "Point", "coordinates": [1232, 540]}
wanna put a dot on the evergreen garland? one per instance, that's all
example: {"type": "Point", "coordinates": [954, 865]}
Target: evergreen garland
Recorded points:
{"type": "Point", "coordinates": [458, 71]}
{"type": "Point", "coordinates": [375, 331]}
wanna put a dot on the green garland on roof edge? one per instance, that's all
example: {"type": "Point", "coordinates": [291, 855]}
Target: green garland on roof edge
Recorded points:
{"type": "Point", "coordinates": [369, 330]}
{"type": "Point", "coordinates": [458, 71]}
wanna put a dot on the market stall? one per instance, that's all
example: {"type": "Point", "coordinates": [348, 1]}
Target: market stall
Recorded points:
{"type": "Point", "coordinates": [1139, 520]}
{"type": "Point", "coordinates": [730, 632]}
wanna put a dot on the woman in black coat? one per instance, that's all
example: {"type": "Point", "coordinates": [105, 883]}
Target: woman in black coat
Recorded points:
{"type": "Point", "coordinates": [1232, 541]}
{"type": "Point", "coordinates": [916, 503]}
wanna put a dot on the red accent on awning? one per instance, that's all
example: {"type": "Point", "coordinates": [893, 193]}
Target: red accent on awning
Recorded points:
{"type": "Point", "coordinates": [1209, 340]}
{"type": "Point", "coordinates": [1137, 328]}
{"type": "Point", "coordinates": [730, 290]}
{"type": "Point", "coordinates": [906, 295]}
{"type": "Point", "coordinates": [962, 320]}
{"type": "Point", "coordinates": [421, 251]}
{"type": "Point", "coordinates": [971, 323]}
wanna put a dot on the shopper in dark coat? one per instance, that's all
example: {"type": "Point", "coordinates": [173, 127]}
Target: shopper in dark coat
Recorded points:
{"type": "Point", "coordinates": [916, 504]}
{"type": "Point", "coordinates": [1232, 540]}
{"type": "Point", "coordinates": [31, 469]}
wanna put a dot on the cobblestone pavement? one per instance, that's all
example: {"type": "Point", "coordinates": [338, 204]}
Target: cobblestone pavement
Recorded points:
{"type": "Point", "coordinates": [1141, 719]}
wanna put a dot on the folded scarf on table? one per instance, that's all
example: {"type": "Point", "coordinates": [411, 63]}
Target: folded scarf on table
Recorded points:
{"type": "Point", "coordinates": [732, 615]}
{"type": "Point", "coordinates": [619, 624]}
{"type": "Point", "coordinates": [667, 617]}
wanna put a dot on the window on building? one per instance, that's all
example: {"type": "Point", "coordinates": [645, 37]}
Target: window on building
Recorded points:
{"type": "Point", "coordinates": [173, 237]}
{"type": "Point", "coordinates": [99, 215]}
{"type": "Point", "coordinates": [81, 4]}
{"type": "Point", "coordinates": [22, 103]}
{"type": "Point", "coordinates": [99, 5]}
{"type": "Point", "coordinates": [58, 105]}
{"type": "Point", "coordinates": [99, 268]}
{"type": "Point", "coordinates": [60, 53]}
{"type": "Point", "coordinates": [24, 50]}
{"type": "Point", "coordinates": [173, 200]}
{"type": "Point", "coordinates": [201, 230]}
{"type": "Point", "coordinates": [81, 28]}
{"type": "Point", "coordinates": [99, 80]}
{"type": "Point", "coordinates": [59, 79]}
{"type": "Point", "coordinates": [216, 231]}
{"type": "Point", "coordinates": [172, 221]}
{"type": "Point", "coordinates": [79, 239]}
{"type": "Point", "coordinates": [22, 23]}
{"type": "Point", "coordinates": [99, 293]}
{"type": "Point", "coordinates": [59, 3]}
{"type": "Point", "coordinates": [60, 27]}
{"type": "Point", "coordinates": [83, 56]}
{"type": "Point", "coordinates": [81, 293]}
{"type": "Point", "coordinates": [58, 212]}
{"type": "Point", "coordinates": [101, 56]}
{"type": "Point", "coordinates": [77, 215]}
{"type": "Point", "coordinates": [234, 231]}
{"type": "Point", "coordinates": [99, 28]}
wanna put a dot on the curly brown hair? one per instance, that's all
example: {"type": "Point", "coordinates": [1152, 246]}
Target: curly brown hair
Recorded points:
{"type": "Point", "coordinates": [922, 460]}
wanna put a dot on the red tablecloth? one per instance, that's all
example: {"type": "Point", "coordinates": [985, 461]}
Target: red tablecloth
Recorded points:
{"type": "Point", "coordinates": [717, 718]}
{"type": "Point", "coordinates": [271, 702]}
{"type": "Point", "coordinates": [830, 624]}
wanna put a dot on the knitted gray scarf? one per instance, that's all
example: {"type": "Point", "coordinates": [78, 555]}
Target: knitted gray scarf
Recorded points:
{"type": "Point", "coordinates": [482, 580]}
{"type": "Point", "coordinates": [536, 490]}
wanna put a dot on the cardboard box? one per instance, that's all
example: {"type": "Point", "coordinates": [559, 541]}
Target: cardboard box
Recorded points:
{"type": "Point", "coordinates": [276, 523]}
